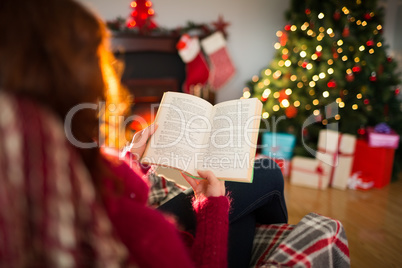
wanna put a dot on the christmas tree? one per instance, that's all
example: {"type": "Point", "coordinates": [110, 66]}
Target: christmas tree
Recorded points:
{"type": "Point", "coordinates": [141, 17]}
{"type": "Point", "coordinates": [331, 65]}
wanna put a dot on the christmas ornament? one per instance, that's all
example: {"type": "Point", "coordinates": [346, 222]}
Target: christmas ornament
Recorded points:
{"type": "Point", "coordinates": [350, 77]}
{"type": "Point", "coordinates": [373, 77]}
{"type": "Point", "coordinates": [222, 67]}
{"type": "Point", "coordinates": [221, 25]}
{"type": "Point", "coordinates": [337, 15]}
{"type": "Point", "coordinates": [287, 27]}
{"type": "Point", "coordinates": [291, 111]}
{"type": "Point", "coordinates": [331, 83]}
{"type": "Point", "coordinates": [356, 69]}
{"type": "Point", "coordinates": [141, 17]}
{"type": "Point", "coordinates": [361, 131]}
{"type": "Point", "coordinates": [370, 43]}
{"type": "Point", "coordinates": [197, 71]}
{"type": "Point", "coordinates": [346, 31]}
{"type": "Point", "coordinates": [283, 95]}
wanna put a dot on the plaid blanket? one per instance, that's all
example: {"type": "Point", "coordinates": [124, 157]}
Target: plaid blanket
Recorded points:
{"type": "Point", "coordinates": [316, 241]}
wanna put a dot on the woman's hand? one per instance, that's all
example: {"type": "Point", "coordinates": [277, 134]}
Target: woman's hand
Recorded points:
{"type": "Point", "coordinates": [140, 139]}
{"type": "Point", "coordinates": [208, 186]}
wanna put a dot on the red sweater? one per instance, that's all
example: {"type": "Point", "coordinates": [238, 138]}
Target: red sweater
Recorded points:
{"type": "Point", "coordinates": [153, 241]}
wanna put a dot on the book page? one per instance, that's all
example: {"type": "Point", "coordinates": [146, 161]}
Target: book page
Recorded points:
{"type": "Point", "coordinates": [183, 120]}
{"type": "Point", "coordinates": [235, 126]}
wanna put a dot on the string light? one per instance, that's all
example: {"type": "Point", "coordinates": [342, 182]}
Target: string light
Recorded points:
{"type": "Point", "coordinates": [318, 48]}
{"type": "Point", "coordinates": [300, 84]}
{"type": "Point", "coordinates": [338, 100]}
{"type": "Point", "coordinates": [279, 33]}
{"type": "Point", "coordinates": [341, 104]}
{"type": "Point", "coordinates": [345, 10]}
{"type": "Point", "coordinates": [357, 59]}
{"type": "Point", "coordinates": [308, 107]}
{"type": "Point", "coordinates": [265, 115]}
{"type": "Point", "coordinates": [255, 78]}
{"type": "Point", "coordinates": [288, 91]}
{"type": "Point", "coordinates": [277, 74]}
{"type": "Point", "coordinates": [277, 95]}
{"type": "Point", "coordinates": [355, 107]}
{"type": "Point", "coordinates": [337, 117]}
{"type": "Point", "coordinates": [303, 54]}
{"type": "Point", "coordinates": [311, 84]}
{"type": "Point", "coordinates": [281, 63]}
{"type": "Point", "coordinates": [371, 51]}
{"type": "Point", "coordinates": [340, 42]}
{"type": "Point", "coordinates": [330, 71]}
{"type": "Point", "coordinates": [364, 23]}
{"type": "Point", "coordinates": [310, 32]}
{"type": "Point", "coordinates": [325, 94]}
{"type": "Point", "coordinates": [315, 77]}
{"type": "Point", "coordinates": [267, 82]}
{"type": "Point", "coordinates": [266, 93]}
{"type": "Point", "coordinates": [379, 44]}
{"type": "Point", "coordinates": [309, 66]}
{"type": "Point", "coordinates": [311, 92]}
{"type": "Point", "coordinates": [330, 31]}
{"type": "Point", "coordinates": [246, 94]}
{"type": "Point", "coordinates": [260, 85]}
{"type": "Point", "coordinates": [345, 58]}
{"type": "Point", "coordinates": [268, 72]}
{"type": "Point", "coordinates": [362, 48]}
{"type": "Point", "coordinates": [359, 96]}
{"type": "Point", "coordinates": [321, 16]}
{"type": "Point", "coordinates": [296, 104]}
{"type": "Point", "coordinates": [288, 63]}
{"type": "Point", "coordinates": [277, 46]}
{"type": "Point", "coordinates": [379, 27]}
{"type": "Point", "coordinates": [314, 56]}
{"type": "Point", "coordinates": [324, 122]}
{"type": "Point", "coordinates": [285, 103]}
{"type": "Point", "coordinates": [275, 108]}
{"type": "Point", "coordinates": [293, 28]}
{"type": "Point", "coordinates": [293, 78]}
{"type": "Point", "coordinates": [330, 62]}
{"type": "Point", "coordinates": [316, 112]}
{"type": "Point", "coordinates": [316, 102]}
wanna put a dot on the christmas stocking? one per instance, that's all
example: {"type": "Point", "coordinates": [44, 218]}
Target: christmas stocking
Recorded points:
{"type": "Point", "coordinates": [197, 71]}
{"type": "Point", "coordinates": [222, 68]}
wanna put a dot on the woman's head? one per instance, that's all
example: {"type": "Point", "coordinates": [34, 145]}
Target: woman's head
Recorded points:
{"type": "Point", "coordinates": [55, 52]}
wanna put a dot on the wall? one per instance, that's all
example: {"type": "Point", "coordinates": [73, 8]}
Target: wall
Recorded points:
{"type": "Point", "coordinates": [252, 29]}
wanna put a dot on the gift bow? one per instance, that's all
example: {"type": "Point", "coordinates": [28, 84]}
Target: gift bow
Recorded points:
{"type": "Point", "coordinates": [382, 128]}
{"type": "Point", "coordinates": [356, 182]}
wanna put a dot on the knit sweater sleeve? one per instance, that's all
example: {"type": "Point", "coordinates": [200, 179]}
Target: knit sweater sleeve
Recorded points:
{"type": "Point", "coordinates": [211, 240]}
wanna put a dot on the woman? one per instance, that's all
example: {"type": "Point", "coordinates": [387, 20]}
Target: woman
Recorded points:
{"type": "Point", "coordinates": [54, 53]}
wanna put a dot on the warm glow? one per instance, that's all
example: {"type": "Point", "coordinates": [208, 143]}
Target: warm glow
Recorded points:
{"type": "Point", "coordinates": [303, 54]}
{"type": "Point", "coordinates": [266, 93]}
{"type": "Point", "coordinates": [288, 63]}
{"type": "Point", "coordinates": [322, 75]}
{"type": "Point", "coordinates": [277, 46]}
{"type": "Point", "coordinates": [311, 84]}
{"type": "Point", "coordinates": [339, 50]}
{"type": "Point", "coordinates": [296, 103]}
{"type": "Point", "coordinates": [338, 100]}
{"type": "Point", "coordinates": [267, 82]}
{"type": "Point", "coordinates": [279, 33]}
{"type": "Point", "coordinates": [371, 51]}
{"type": "Point", "coordinates": [345, 58]}
{"type": "Point", "coordinates": [133, 4]}
{"type": "Point", "coordinates": [337, 117]}
{"type": "Point", "coordinates": [310, 32]}
{"type": "Point", "coordinates": [357, 59]}
{"type": "Point", "coordinates": [255, 78]}
{"type": "Point", "coordinates": [277, 95]}
{"type": "Point", "coordinates": [349, 71]}
{"type": "Point", "coordinates": [309, 66]}
{"type": "Point", "coordinates": [364, 23]}
{"type": "Point", "coordinates": [330, 71]}
{"type": "Point", "coordinates": [314, 56]}
{"type": "Point", "coordinates": [321, 16]}
{"type": "Point", "coordinates": [329, 31]}
{"type": "Point", "coordinates": [293, 78]}
{"type": "Point", "coordinates": [316, 112]}
{"type": "Point", "coordinates": [379, 44]}
{"type": "Point", "coordinates": [268, 72]}
{"type": "Point", "coordinates": [148, 3]}
{"type": "Point", "coordinates": [285, 51]}
{"type": "Point", "coordinates": [311, 92]}
{"type": "Point", "coordinates": [361, 48]}
{"type": "Point", "coordinates": [315, 78]}
{"type": "Point", "coordinates": [359, 96]}
{"type": "Point", "coordinates": [293, 28]}
{"type": "Point", "coordinates": [330, 62]}
{"type": "Point", "coordinates": [246, 94]}
{"type": "Point", "coordinates": [325, 94]}
{"type": "Point", "coordinates": [151, 11]}
{"type": "Point", "coordinates": [340, 42]}
{"type": "Point", "coordinates": [379, 27]}
{"type": "Point", "coordinates": [288, 91]}
{"type": "Point", "coordinates": [277, 74]}
{"type": "Point", "coordinates": [265, 115]}
{"type": "Point", "coordinates": [341, 104]}
{"type": "Point", "coordinates": [318, 48]}
{"type": "Point", "coordinates": [285, 103]}
{"type": "Point", "coordinates": [281, 63]}
{"type": "Point", "coordinates": [300, 84]}
{"type": "Point", "coordinates": [275, 108]}
{"type": "Point", "coordinates": [354, 106]}
{"type": "Point", "coordinates": [345, 10]}
{"type": "Point", "coordinates": [316, 102]}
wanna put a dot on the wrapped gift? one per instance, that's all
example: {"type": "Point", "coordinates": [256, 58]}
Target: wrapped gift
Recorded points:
{"type": "Point", "coordinates": [310, 172]}
{"type": "Point", "coordinates": [376, 162]}
{"type": "Point", "coordinates": [337, 150]}
{"type": "Point", "coordinates": [359, 181]}
{"type": "Point", "coordinates": [278, 145]}
{"type": "Point", "coordinates": [284, 164]}
{"type": "Point", "coordinates": [382, 136]}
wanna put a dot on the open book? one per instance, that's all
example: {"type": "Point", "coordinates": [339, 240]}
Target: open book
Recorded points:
{"type": "Point", "coordinates": [194, 134]}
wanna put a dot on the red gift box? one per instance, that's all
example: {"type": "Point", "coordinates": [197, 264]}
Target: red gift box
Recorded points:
{"type": "Point", "coordinates": [375, 162]}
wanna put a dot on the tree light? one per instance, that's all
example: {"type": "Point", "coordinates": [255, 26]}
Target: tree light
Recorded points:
{"type": "Point", "coordinates": [316, 112]}
{"type": "Point", "coordinates": [362, 48]}
{"type": "Point", "coordinates": [265, 115]}
{"type": "Point", "coordinates": [246, 94]}
{"type": "Point", "coordinates": [296, 104]}
{"type": "Point", "coordinates": [325, 94]}
{"type": "Point", "coordinates": [330, 71]}
{"type": "Point", "coordinates": [354, 106]}
{"type": "Point", "coordinates": [303, 54]}
{"type": "Point", "coordinates": [321, 16]}
{"type": "Point", "coordinates": [275, 108]}
{"type": "Point", "coordinates": [266, 93]}
{"type": "Point", "coordinates": [285, 103]}
{"type": "Point", "coordinates": [288, 91]}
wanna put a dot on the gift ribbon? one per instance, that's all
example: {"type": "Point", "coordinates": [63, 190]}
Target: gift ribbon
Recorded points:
{"type": "Point", "coordinates": [334, 155]}
{"type": "Point", "coordinates": [318, 170]}
{"type": "Point", "coordinates": [356, 182]}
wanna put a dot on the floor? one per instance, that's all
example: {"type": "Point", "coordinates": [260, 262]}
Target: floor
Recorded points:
{"type": "Point", "coordinates": [372, 219]}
